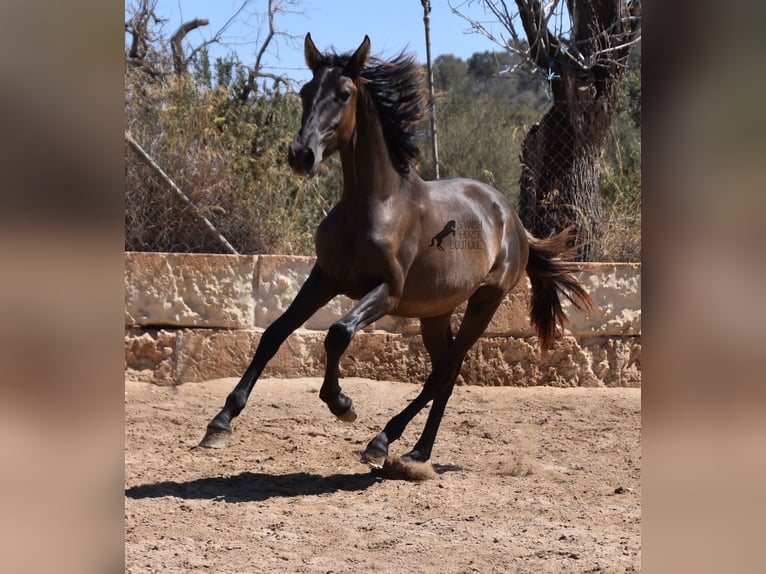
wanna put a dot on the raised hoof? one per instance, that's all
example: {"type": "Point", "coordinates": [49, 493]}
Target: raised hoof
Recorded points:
{"type": "Point", "coordinates": [215, 438]}
{"type": "Point", "coordinates": [349, 416]}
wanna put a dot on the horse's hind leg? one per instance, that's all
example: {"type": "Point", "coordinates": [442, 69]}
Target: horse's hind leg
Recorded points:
{"type": "Point", "coordinates": [438, 387]}
{"type": "Point", "coordinates": [314, 294]}
{"type": "Point", "coordinates": [369, 309]}
{"type": "Point", "coordinates": [437, 338]}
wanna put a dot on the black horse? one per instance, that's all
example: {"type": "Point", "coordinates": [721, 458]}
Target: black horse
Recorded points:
{"type": "Point", "coordinates": [371, 246]}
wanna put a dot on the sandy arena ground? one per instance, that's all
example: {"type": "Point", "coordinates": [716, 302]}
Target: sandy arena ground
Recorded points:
{"type": "Point", "coordinates": [527, 480]}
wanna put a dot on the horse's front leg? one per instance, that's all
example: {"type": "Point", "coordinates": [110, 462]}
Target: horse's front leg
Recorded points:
{"type": "Point", "coordinates": [314, 293]}
{"type": "Point", "coordinates": [370, 308]}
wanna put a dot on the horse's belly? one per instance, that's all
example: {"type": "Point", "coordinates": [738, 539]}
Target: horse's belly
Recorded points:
{"type": "Point", "coordinates": [414, 307]}
{"type": "Point", "coordinates": [431, 290]}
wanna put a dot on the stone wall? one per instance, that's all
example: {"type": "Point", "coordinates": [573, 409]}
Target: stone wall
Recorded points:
{"type": "Point", "coordinates": [197, 317]}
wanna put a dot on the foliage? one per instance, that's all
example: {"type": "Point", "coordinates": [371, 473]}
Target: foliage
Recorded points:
{"type": "Point", "coordinates": [621, 174]}
{"type": "Point", "coordinates": [482, 117]}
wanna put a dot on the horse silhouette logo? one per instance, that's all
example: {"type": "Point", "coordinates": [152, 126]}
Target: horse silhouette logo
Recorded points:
{"type": "Point", "coordinates": [439, 237]}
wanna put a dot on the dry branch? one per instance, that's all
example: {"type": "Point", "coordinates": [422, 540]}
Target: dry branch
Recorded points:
{"type": "Point", "coordinates": [179, 59]}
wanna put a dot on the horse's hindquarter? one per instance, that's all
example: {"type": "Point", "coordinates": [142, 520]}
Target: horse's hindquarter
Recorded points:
{"type": "Point", "coordinates": [468, 239]}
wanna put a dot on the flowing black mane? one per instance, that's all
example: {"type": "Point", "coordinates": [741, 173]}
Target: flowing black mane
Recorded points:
{"type": "Point", "coordinates": [397, 88]}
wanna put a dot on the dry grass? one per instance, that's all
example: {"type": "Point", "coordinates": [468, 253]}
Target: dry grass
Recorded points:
{"type": "Point", "coordinates": [621, 240]}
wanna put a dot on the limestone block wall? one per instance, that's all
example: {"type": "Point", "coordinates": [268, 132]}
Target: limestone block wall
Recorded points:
{"type": "Point", "coordinates": [192, 317]}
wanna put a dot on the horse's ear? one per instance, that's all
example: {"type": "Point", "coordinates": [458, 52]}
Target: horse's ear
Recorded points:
{"type": "Point", "coordinates": [358, 60]}
{"type": "Point", "coordinates": [310, 52]}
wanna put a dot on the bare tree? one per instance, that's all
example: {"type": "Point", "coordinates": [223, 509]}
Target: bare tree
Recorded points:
{"type": "Point", "coordinates": [581, 48]}
{"type": "Point", "coordinates": [255, 72]}
{"type": "Point", "coordinates": [140, 27]}
{"type": "Point", "coordinates": [143, 21]}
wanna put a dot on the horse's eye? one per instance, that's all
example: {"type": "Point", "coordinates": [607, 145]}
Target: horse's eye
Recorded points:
{"type": "Point", "coordinates": [344, 96]}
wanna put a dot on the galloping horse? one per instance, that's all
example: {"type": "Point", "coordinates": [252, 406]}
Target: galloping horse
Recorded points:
{"type": "Point", "coordinates": [374, 247]}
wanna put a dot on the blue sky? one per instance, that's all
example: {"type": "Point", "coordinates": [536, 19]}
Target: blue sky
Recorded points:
{"type": "Point", "coordinates": [393, 26]}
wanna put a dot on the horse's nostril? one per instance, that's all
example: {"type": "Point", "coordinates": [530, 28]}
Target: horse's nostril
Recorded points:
{"type": "Point", "coordinates": [308, 159]}
{"type": "Point", "coordinates": [301, 159]}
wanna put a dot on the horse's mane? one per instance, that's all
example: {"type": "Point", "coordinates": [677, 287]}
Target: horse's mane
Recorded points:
{"type": "Point", "coordinates": [397, 87]}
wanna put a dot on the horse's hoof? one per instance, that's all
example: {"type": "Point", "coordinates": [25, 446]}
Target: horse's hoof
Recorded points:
{"type": "Point", "coordinates": [376, 452]}
{"type": "Point", "coordinates": [416, 456]}
{"type": "Point", "coordinates": [349, 416]}
{"type": "Point", "coordinates": [215, 438]}
{"type": "Point", "coordinates": [373, 459]}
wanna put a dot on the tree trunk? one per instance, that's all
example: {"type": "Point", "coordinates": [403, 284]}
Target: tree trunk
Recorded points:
{"type": "Point", "coordinates": [560, 157]}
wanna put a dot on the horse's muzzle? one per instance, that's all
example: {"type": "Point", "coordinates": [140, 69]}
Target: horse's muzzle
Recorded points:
{"type": "Point", "coordinates": [301, 159]}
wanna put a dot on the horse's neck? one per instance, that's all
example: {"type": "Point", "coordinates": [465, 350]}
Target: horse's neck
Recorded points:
{"type": "Point", "coordinates": [369, 176]}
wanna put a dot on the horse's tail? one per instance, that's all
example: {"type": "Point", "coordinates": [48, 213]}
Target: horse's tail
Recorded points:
{"type": "Point", "coordinates": [552, 273]}
{"type": "Point", "coordinates": [432, 241]}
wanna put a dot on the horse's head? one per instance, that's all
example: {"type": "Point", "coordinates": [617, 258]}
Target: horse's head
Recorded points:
{"type": "Point", "coordinates": [329, 106]}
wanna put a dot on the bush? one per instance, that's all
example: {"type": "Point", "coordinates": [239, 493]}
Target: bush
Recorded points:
{"type": "Point", "coordinates": [621, 175]}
